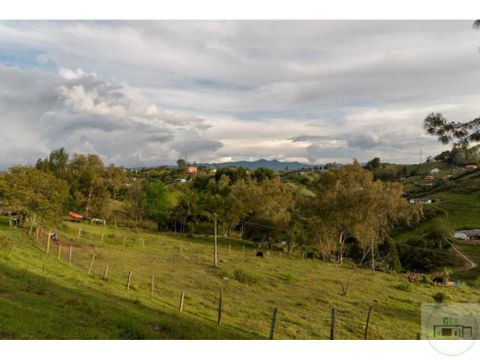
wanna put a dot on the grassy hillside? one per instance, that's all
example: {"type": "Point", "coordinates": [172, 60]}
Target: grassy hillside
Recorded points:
{"type": "Point", "coordinates": [43, 297]}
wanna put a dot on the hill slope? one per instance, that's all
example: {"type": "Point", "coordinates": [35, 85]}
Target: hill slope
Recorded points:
{"type": "Point", "coordinates": [42, 297]}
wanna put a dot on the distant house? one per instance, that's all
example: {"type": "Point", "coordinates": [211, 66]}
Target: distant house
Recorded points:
{"type": "Point", "coordinates": [469, 234]}
{"type": "Point", "coordinates": [435, 171]}
{"type": "Point", "coordinates": [446, 177]}
{"type": "Point", "coordinates": [460, 236]}
{"type": "Point", "coordinates": [180, 181]}
{"type": "Point", "coordinates": [191, 170]}
{"type": "Point", "coordinates": [429, 178]}
{"type": "Point", "coordinates": [421, 201]}
{"type": "Point", "coordinates": [471, 167]}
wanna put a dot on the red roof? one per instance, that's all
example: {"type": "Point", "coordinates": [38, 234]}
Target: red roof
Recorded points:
{"type": "Point", "coordinates": [74, 215]}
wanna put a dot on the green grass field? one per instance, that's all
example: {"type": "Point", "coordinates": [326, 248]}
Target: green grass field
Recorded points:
{"type": "Point", "coordinates": [42, 297]}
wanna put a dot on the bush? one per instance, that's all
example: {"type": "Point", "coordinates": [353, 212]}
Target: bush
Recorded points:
{"type": "Point", "coordinates": [245, 277]}
{"type": "Point", "coordinates": [440, 297]}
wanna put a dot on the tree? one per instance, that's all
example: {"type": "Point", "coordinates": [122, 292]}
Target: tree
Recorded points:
{"type": "Point", "coordinates": [86, 177]}
{"type": "Point", "coordinates": [350, 204]}
{"type": "Point", "coordinates": [181, 164]}
{"type": "Point", "coordinates": [56, 163]}
{"type": "Point", "coordinates": [116, 180]}
{"type": "Point", "coordinates": [373, 164]}
{"type": "Point", "coordinates": [28, 191]}
{"type": "Point", "coordinates": [266, 208]}
{"type": "Point", "coordinates": [157, 202]}
{"type": "Point", "coordinates": [458, 133]}
{"type": "Point", "coordinates": [134, 198]}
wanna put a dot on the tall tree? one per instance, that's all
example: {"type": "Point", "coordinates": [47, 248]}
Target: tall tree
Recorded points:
{"type": "Point", "coordinates": [28, 191]}
{"type": "Point", "coordinates": [157, 202]}
{"type": "Point", "coordinates": [349, 203]}
{"type": "Point", "coordinates": [86, 177]}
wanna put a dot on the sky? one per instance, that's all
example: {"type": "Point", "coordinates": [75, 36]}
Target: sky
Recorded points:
{"type": "Point", "coordinates": [147, 93]}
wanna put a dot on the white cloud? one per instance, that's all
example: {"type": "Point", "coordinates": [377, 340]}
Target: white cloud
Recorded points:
{"type": "Point", "coordinates": [314, 90]}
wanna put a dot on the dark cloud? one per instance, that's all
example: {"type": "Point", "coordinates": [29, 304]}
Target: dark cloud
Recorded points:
{"type": "Point", "coordinates": [303, 90]}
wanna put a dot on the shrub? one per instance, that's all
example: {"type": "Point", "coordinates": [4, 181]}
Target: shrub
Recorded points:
{"type": "Point", "coordinates": [245, 277]}
{"type": "Point", "coordinates": [440, 297]}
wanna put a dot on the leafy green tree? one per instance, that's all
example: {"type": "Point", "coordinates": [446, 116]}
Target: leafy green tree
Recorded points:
{"type": "Point", "coordinates": [157, 202]}
{"type": "Point", "coordinates": [373, 164]}
{"type": "Point", "coordinates": [461, 134]}
{"type": "Point", "coordinates": [56, 163]}
{"type": "Point", "coordinates": [350, 204]}
{"type": "Point", "coordinates": [116, 180]}
{"type": "Point", "coordinates": [86, 176]}
{"type": "Point", "coordinates": [181, 164]}
{"type": "Point", "coordinates": [30, 192]}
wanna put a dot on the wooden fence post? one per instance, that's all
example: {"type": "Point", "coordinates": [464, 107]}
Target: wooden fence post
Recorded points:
{"type": "Point", "coordinates": [274, 323]}
{"type": "Point", "coordinates": [152, 286]}
{"type": "Point", "coordinates": [101, 239]}
{"type": "Point", "coordinates": [129, 280]}
{"type": "Point", "coordinates": [332, 324]}
{"type": "Point", "coordinates": [91, 264]}
{"type": "Point", "coordinates": [368, 321]}
{"type": "Point", "coordinates": [59, 254]}
{"type": "Point", "coordinates": [124, 239]}
{"type": "Point", "coordinates": [105, 274]}
{"type": "Point", "coordinates": [79, 233]}
{"type": "Point", "coordinates": [70, 255]}
{"type": "Point", "coordinates": [32, 223]}
{"type": "Point", "coordinates": [229, 248]}
{"type": "Point", "coordinates": [48, 242]}
{"type": "Point", "coordinates": [182, 298]}
{"type": "Point", "coordinates": [220, 307]}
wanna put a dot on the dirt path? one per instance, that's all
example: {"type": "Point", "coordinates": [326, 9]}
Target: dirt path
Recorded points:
{"type": "Point", "coordinates": [469, 263]}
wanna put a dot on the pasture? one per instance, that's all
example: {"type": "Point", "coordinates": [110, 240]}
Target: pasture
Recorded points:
{"type": "Point", "coordinates": [42, 296]}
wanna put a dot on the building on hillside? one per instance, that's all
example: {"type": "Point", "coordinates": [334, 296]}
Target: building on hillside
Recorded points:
{"type": "Point", "coordinates": [429, 178]}
{"type": "Point", "coordinates": [435, 171]}
{"type": "Point", "coordinates": [191, 169]}
{"type": "Point", "coordinates": [180, 181]}
{"type": "Point", "coordinates": [421, 201]}
{"type": "Point", "coordinates": [471, 167]}
{"type": "Point", "coordinates": [468, 234]}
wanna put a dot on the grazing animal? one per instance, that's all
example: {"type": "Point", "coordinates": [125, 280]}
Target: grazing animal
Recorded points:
{"type": "Point", "coordinates": [260, 254]}
{"type": "Point", "coordinates": [438, 280]}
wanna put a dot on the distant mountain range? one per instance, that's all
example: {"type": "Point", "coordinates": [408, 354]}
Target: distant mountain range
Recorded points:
{"type": "Point", "coordinates": [263, 163]}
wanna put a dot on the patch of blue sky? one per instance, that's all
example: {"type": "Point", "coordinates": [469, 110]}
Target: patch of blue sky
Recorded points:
{"type": "Point", "coordinates": [25, 58]}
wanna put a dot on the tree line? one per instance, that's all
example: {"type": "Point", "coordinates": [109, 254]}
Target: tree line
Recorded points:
{"type": "Point", "coordinates": [340, 212]}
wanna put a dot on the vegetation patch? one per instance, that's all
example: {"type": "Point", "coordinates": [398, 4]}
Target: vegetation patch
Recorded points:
{"type": "Point", "coordinates": [246, 277]}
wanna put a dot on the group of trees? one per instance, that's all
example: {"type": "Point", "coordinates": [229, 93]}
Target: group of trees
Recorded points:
{"type": "Point", "coordinates": [339, 212]}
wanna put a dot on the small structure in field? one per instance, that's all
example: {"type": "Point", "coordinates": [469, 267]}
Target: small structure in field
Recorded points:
{"type": "Point", "coordinates": [180, 181]}
{"type": "Point", "coordinates": [435, 171]}
{"type": "Point", "coordinates": [191, 169]}
{"type": "Point", "coordinates": [421, 201]}
{"type": "Point", "coordinates": [467, 234]}
{"type": "Point", "coordinates": [429, 178]}
{"type": "Point", "coordinates": [460, 236]}
{"type": "Point", "coordinates": [471, 167]}
{"type": "Point", "coordinates": [98, 221]}
{"type": "Point", "coordinates": [73, 216]}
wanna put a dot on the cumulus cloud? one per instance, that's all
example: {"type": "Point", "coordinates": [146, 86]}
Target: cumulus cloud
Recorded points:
{"type": "Point", "coordinates": [312, 91]}
{"type": "Point", "coordinates": [44, 111]}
